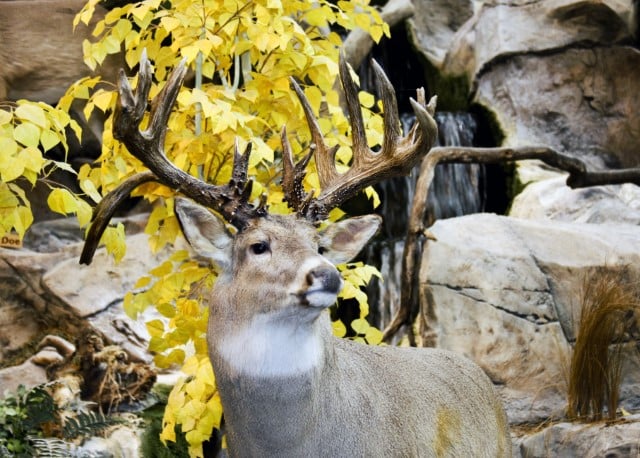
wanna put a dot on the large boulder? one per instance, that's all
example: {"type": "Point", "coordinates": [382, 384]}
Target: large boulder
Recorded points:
{"type": "Point", "coordinates": [49, 292]}
{"type": "Point", "coordinates": [501, 29]}
{"type": "Point", "coordinates": [506, 292]}
{"type": "Point", "coordinates": [580, 101]}
{"type": "Point", "coordinates": [556, 72]}
{"type": "Point", "coordinates": [585, 440]}
{"type": "Point", "coordinates": [552, 199]}
{"type": "Point", "coordinates": [434, 24]}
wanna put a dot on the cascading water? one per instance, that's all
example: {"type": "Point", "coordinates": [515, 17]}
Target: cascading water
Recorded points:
{"type": "Point", "coordinates": [457, 189]}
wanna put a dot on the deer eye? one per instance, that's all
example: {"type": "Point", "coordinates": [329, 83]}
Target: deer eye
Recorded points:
{"type": "Point", "coordinates": [260, 247]}
{"type": "Point", "coordinates": [322, 250]}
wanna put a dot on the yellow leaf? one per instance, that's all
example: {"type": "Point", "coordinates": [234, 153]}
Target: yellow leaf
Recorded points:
{"type": "Point", "coordinates": [155, 328]}
{"type": "Point", "coordinates": [360, 326]}
{"type": "Point", "coordinates": [113, 239]}
{"type": "Point", "coordinates": [205, 373]}
{"type": "Point", "coordinates": [373, 336]}
{"type": "Point", "coordinates": [32, 159]}
{"type": "Point", "coordinates": [190, 52]}
{"type": "Point", "coordinates": [10, 170]}
{"type": "Point", "coordinates": [373, 196]}
{"type": "Point", "coordinates": [7, 198]}
{"type": "Point", "coordinates": [5, 117]}
{"type": "Point", "coordinates": [363, 21]}
{"type": "Point", "coordinates": [90, 190]}
{"type": "Point", "coordinates": [22, 219]}
{"type": "Point", "coordinates": [170, 23]}
{"type": "Point", "coordinates": [166, 309]}
{"type": "Point", "coordinates": [376, 32]}
{"type": "Point", "coordinates": [84, 213]}
{"type": "Point", "coordinates": [339, 329]}
{"type": "Point", "coordinates": [319, 17]}
{"type": "Point", "coordinates": [49, 139]}
{"type": "Point", "coordinates": [85, 15]}
{"type": "Point", "coordinates": [314, 95]}
{"type": "Point", "coordinates": [195, 388]}
{"type": "Point", "coordinates": [168, 432]}
{"type": "Point", "coordinates": [8, 149]}
{"type": "Point", "coordinates": [111, 45]}
{"type": "Point", "coordinates": [163, 269]}
{"type": "Point", "coordinates": [141, 10]}
{"type": "Point", "coordinates": [205, 46]}
{"type": "Point", "coordinates": [121, 29]}
{"type": "Point", "coordinates": [102, 99]}
{"type": "Point", "coordinates": [190, 366]}
{"type": "Point", "coordinates": [62, 201]}
{"type": "Point", "coordinates": [366, 99]}
{"type": "Point", "coordinates": [32, 113]}
{"type": "Point", "coordinates": [27, 134]}
{"type": "Point", "coordinates": [142, 282]}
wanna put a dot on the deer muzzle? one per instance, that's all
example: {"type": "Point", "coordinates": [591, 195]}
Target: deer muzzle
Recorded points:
{"type": "Point", "coordinates": [323, 285]}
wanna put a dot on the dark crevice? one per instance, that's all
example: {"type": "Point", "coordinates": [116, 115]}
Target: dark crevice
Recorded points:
{"type": "Point", "coordinates": [533, 318]}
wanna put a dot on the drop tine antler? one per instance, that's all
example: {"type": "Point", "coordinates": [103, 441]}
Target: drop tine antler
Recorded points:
{"type": "Point", "coordinates": [105, 210]}
{"type": "Point", "coordinates": [396, 158]}
{"type": "Point", "coordinates": [230, 200]}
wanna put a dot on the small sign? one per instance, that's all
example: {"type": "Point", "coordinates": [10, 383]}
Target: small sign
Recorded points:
{"type": "Point", "coordinates": [10, 241]}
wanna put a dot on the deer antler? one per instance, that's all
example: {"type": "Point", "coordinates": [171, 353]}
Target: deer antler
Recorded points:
{"type": "Point", "coordinates": [396, 158]}
{"type": "Point", "coordinates": [230, 200]}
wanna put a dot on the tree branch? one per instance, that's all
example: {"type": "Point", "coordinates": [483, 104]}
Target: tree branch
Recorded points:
{"type": "Point", "coordinates": [417, 235]}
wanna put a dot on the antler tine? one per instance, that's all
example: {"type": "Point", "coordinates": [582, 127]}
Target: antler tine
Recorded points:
{"type": "Point", "coordinates": [358, 134]}
{"type": "Point", "coordinates": [390, 104]}
{"type": "Point", "coordinates": [293, 175]}
{"type": "Point", "coordinates": [324, 156]}
{"type": "Point", "coordinates": [231, 200]}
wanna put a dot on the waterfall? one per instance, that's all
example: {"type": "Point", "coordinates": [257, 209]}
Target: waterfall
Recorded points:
{"type": "Point", "coordinates": [457, 189]}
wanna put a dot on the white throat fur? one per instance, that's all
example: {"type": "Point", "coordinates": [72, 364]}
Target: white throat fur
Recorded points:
{"type": "Point", "coordinates": [272, 347]}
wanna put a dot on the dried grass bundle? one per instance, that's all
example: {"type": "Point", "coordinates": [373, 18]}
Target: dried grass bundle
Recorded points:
{"type": "Point", "coordinates": [609, 313]}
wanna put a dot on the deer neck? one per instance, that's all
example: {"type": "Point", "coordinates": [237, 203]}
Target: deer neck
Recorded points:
{"type": "Point", "coordinates": [269, 378]}
{"type": "Point", "coordinates": [270, 345]}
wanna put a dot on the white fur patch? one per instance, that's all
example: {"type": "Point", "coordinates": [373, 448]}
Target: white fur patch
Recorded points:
{"type": "Point", "coordinates": [272, 346]}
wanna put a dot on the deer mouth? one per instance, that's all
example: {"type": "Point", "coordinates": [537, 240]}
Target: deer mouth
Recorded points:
{"type": "Point", "coordinates": [318, 298]}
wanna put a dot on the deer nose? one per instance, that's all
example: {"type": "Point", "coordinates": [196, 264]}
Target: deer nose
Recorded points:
{"type": "Point", "coordinates": [325, 278]}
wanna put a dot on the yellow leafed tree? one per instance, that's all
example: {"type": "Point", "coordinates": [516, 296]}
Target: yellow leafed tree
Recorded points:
{"type": "Point", "coordinates": [242, 54]}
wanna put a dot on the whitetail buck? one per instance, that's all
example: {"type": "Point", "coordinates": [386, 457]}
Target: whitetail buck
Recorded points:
{"type": "Point", "coordinates": [287, 385]}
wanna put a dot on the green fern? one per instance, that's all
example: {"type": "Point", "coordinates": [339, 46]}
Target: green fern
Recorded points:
{"type": "Point", "coordinates": [88, 424]}
{"type": "Point", "coordinates": [39, 406]}
{"type": "Point", "coordinates": [51, 447]}
{"type": "Point", "coordinates": [22, 415]}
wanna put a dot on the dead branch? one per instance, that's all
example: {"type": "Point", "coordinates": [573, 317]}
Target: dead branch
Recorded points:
{"type": "Point", "coordinates": [579, 177]}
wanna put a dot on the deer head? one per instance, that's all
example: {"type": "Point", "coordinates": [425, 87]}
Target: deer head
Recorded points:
{"type": "Point", "coordinates": [285, 253]}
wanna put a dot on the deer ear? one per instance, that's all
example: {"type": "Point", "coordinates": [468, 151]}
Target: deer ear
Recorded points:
{"type": "Point", "coordinates": [343, 240]}
{"type": "Point", "coordinates": [205, 232]}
